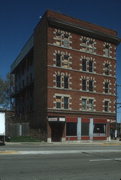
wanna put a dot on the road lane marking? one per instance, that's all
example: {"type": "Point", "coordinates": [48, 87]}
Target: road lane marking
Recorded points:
{"type": "Point", "coordinates": [67, 151]}
{"type": "Point", "coordinates": [8, 152]}
{"type": "Point", "coordinates": [96, 160]}
{"type": "Point", "coordinates": [17, 152]}
{"type": "Point", "coordinates": [110, 159]}
{"type": "Point", "coordinates": [117, 159]}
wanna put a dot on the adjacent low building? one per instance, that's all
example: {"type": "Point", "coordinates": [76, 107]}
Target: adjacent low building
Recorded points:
{"type": "Point", "coordinates": [65, 79]}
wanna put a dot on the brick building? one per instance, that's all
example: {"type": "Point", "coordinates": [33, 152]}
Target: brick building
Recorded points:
{"type": "Point", "coordinates": [65, 79]}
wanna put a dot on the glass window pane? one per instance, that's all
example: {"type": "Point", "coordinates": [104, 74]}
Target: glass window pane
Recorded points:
{"type": "Point", "coordinates": [90, 85]}
{"type": "Point", "coordinates": [85, 129]}
{"type": "Point", "coordinates": [58, 60]}
{"type": "Point", "coordinates": [84, 84]}
{"type": "Point", "coordinates": [58, 102]}
{"type": "Point", "coordinates": [71, 129]}
{"type": "Point", "coordinates": [65, 81]}
{"type": "Point", "coordinates": [100, 128]}
{"type": "Point", "coordinates": [58, 81]}
{"type": "Point", "coordinates": [91, 104]}
{"type": "Point", "coordinates": [66, 102]}
{"type": "Point", "coordinates": [106, 87]}
{"type": "Point", "coordinates": [84, 65]}
{"type": "Point", "coordinates": [90, 66]}
{"type": "Point", "coordinates": [106, 105]}
{"type": "Point", "coordinates": [84, 104]}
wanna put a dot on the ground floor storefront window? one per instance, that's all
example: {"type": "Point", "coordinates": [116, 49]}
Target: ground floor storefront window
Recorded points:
{"type": "Point", "coordinates": [99, 129]}
{"type": "Point", "coordinates": [85, 129]}
{"type": "Point", "coordinates": [71, 129]}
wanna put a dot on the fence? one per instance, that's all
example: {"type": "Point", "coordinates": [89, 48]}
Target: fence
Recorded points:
{"type": "Point", "coordinates": [17, 129]}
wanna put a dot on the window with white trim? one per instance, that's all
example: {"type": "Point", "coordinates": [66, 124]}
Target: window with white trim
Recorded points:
{"type": "Point", "coordinates": [90, 85]}
{"type": "Point", "coordinates": [84, 65]}
{"type": "Point", "coordinates": [106, 106]}
{"type": "Point", "coordinates": [107, 69]}
{"type": "Point", "coordinates": [58, 60]}
{"type": "Point", "coordinates": [66, 61]}
{"type": "Point", "coordinates": [62, 101]}
{"type": "Point", "coordinates": [62, 59]}
{"type": "Point", "coordinates": [58, 81]}
{"type": "Point", "coordinates": [62, 80]}
{"type": "Point", "coordinates": [66, 102]}
{"type": "Point", "coordinates": [87, 104]}
{"type": "Point", "coordinates": [107, 50]}
{"type": "Point", "coordinates": [90, 66]}
{"type": "Point", "coordinates": [91, 104]}
{"type": "Point", "coordinates": [106, 87]}
{"type": "Point", "coordinates": [87, 64]}
{"type": "Point", "coordinates": [62, 38]}
{"type": "Point", "coordinates": [87, 44]}
{"type": "Point", "coordinates": [58, 102]}
{"type": "Point", "coordinates": [84, 104]}
{"type": "Point", "coordinates": [84, 86]}
{"type": "Point", "coordinates": [66, 82]}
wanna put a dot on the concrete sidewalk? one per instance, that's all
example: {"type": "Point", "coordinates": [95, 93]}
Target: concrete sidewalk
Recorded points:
{"type": "Point", "coordinates": [82, 142]}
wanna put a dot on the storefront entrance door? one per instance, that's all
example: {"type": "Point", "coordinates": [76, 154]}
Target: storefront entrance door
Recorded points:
{"type": "Point", "coordinates": [57, 129]}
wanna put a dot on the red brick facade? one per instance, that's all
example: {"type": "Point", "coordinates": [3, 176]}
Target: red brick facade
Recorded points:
{"type": "Point", "coordinates": [74, 65]}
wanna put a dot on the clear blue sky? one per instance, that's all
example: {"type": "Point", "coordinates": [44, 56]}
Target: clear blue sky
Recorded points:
{"type": "Point", "coordinates": [19, 17]}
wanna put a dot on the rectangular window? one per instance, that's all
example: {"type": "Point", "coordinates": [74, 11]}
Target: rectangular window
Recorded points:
{"type": "Point", "coordinates": [66, 99]}
{"type": "Point", "coordinates": [85, 129]}
{"type": "Point", "coordinates": [84, 104]}
{"type": "Point", "coordinates": [90, 85]}
{"type": "Point", "coordinates": [99, 128]}
{"type": "Point", "coordinates": [91, 104]}
{"type": "Point", "coordinates": [71, 129]}
{"type": "Point", "coordinates": [58, 60]}
{"type": "Point", "coordinates": [58, 81]}
{"type": "Point", "coordinates": [106, 106]}
{"type": "Point", "coordinates": [84, 85]}
{"type": "Point", "coordinates": [66, 82]}
{"type": "Point", "coordinates": [107, 69]}
{"type": "Point", "coordinates": [90, 66]}
{"type": "Point", "coordinates": [84, 65]}
{"type": "Point", "coordinates": [107, 51]}
{"type": "Point", "coordinates": [66, 43]}
{"type": "Point", "coordinates": [90, 47]}
{"type": "Point", "coordinates": [106, 87]}
{"type": "Point", "coordinates": [58, 34]}
{"type": "Point", "coordinates": [58, 102]}
{"type": "Point", "coordinates": [66, 61]}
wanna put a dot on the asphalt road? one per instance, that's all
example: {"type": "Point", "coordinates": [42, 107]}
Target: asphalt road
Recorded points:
{"type": "Point", "coordinates": [88, 163]}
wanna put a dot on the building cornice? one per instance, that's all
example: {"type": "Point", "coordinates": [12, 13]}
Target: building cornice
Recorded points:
{"type": "Point", "coordinates": [81, 112]}
{"type": "Point", "coordinates": [83, 30]}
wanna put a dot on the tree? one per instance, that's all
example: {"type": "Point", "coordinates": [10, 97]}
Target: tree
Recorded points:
{"type": "Point", "coordinates": [5, 92]}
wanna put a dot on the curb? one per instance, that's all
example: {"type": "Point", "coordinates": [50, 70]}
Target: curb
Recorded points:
{"type": "Point", "coordinates": [113, 142]}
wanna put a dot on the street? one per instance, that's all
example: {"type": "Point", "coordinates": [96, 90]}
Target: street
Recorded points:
{"type": "Point", "coordinates": [64, 162]}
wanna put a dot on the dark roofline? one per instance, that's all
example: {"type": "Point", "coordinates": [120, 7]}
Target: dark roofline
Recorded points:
{"type": "Point", "coordinates": [24, 51]}
{"type": "Point", "coordinates": [83, 30]}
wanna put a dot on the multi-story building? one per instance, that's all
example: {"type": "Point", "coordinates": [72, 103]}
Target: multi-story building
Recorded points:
{"type": "Point", "coordinates": [65, 79]}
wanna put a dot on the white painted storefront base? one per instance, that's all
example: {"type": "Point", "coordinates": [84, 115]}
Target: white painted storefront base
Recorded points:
{"type": "Point", "coordinates": [49, 140]}
{"type": "Point", "coordinates": [63, 139]}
